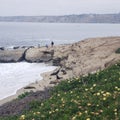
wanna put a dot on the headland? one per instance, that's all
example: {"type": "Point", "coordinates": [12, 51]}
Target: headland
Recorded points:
{"type": "Point", "coordinates": [78, 59]}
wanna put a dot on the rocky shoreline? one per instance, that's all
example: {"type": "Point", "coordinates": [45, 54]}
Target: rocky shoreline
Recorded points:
{"type": "Point", "coordinates": [73, 60]}
{"type": "Point", "coordinates": [95, 52]}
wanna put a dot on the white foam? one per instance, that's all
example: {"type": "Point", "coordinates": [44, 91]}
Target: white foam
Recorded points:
{"type": "Point", "coordinates": [14, 76]}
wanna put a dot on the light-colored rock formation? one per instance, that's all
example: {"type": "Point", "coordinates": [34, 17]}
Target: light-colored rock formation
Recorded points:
{"type": "Point", "coordinates": [80, 58]}
{"type": "Point", "coordinates": [38, 55]}
{"type": "Point", "coordinates": [12, 55]}
{"type": "Point", "coordinates": [77, 59]}
{"type": "Point", "coordinates": [89, 55]}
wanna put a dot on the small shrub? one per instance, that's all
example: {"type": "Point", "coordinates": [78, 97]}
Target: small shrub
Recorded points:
{"type": "Point", "coordinates": [117, 51]}
{"type": "Point", "coordinates": [23, 95]}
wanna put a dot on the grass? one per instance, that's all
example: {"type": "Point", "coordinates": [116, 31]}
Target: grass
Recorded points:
{"type": "Point", "coordinates": [93, 97]}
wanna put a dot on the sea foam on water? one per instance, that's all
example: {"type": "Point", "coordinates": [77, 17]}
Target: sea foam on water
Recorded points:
{"type": "Point", "coordinates": [14, 76]}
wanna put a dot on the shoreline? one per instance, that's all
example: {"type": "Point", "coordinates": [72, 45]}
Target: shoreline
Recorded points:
{"type": "Point", "coordinates": [39, 85]}
{"type": "Point", "coordinates": [81, 58]}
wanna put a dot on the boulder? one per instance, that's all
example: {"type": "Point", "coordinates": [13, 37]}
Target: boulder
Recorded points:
{"type": "Point", "coordinates": [16, 47]}
{"type": "Point", "coordinates": [13, 55]}
{"type": "Point", "coordinates": [2, 48]}
{"type": "Point", "coordinates": [38, 55]}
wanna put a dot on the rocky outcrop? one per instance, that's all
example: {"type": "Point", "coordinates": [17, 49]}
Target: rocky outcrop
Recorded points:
{"type": "Point", "coordinates": [80, 58]}
{"type": "Point", "coordinates": [86, 56]}
{"type": "Point", "coordinates": [39, 55]}
{"type": "Point", "coordinates": [13, 55]}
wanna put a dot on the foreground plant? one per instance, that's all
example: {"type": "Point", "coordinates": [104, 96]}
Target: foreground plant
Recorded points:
{"type": "Point", "coordinates": [93, 97]}
{"type": "Point", "coordinates": [118, 51]}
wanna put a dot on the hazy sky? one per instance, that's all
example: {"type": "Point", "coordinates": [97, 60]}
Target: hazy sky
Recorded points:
{"type": "Point", "coordinates": [57, 7]}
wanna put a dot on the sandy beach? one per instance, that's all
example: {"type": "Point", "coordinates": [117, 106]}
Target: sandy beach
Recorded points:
{"type": "Point", "coordinates": [73, 60]}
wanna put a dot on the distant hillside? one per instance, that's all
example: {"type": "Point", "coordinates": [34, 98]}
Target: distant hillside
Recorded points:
{"type": "Point", "coordinates": [83, 18]}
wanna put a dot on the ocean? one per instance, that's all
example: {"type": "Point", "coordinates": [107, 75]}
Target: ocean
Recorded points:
{"type": "Point", "coordinates": [27, 34]}
{"type": "Point", "coordinates": [14, 76]}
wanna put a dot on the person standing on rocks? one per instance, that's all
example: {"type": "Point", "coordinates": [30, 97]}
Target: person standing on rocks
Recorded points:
{"type": "Point", "coordinates": [52, 43]}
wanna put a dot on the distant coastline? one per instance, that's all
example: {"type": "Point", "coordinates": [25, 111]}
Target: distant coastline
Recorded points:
{"type": "Point", "coordinates": [82, 18]}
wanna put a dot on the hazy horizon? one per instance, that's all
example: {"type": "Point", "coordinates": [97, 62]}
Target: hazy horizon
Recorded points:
{"type": "Point", "coordinates": [57, 7]}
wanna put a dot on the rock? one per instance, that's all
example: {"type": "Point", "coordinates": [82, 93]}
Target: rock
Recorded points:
{"type": "Point", "coordinates": [11, 55]}
{"type": "Point", "coordinates": [29, 87]}
{"type": "Point", "coordinates": [78, 58]}
{"type": "Point", "coordinates": [17, 47]}
{"type": "Point", "coordinates": [56, 61]}
{"type": "Point", "coordinates": [58, 77]}
{"type": "Point", "coordinates": [55, 72]}
{"type": "Point", "coordinates": [2, 48]}
{"type": "Point", "coordinates": [54, 82]}
{"type": "Point", "coordinates": [38, 55]}
{"type": "Point", "coordinates": [63, 71]}
{"type": "Point", "coordinates": [24, 47]}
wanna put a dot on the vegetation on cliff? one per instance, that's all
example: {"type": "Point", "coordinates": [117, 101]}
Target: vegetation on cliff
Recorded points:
{"type": "Point", "coordinates": [92, 97]}
{"type": "Point", "coordinates": [118, 51]}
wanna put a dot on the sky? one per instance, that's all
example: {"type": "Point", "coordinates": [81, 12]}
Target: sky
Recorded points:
{"type": "Point", "coordinates": [57, 7]}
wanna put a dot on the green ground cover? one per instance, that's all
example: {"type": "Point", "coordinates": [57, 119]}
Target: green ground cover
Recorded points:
{"type": "Point", "coordinates": [118, 51]}
{"type": "Point", "coordinates": [93, 97]}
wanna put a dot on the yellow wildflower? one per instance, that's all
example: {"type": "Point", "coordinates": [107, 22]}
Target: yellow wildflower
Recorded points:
{"type": "Point", "coordinates": [115, 113]}
{"type": "Point", "coordinates": [86, 89]}
{"type": "Point", "coordinates": [88, 119]}
{"type": "Point", "coordinates": [104, 98]}
{"type": "Point", "coordinates": [50, 112]}
{"type": "Point", "coordinates": [71, 92]}
{"type": "Point", "coordinates": [86, 111]}
{"type": "Point", "coordinates": [22, 117]}
{"type": "Point", "coordinates": [94, 85]}
{"type": "Point", "coordinates": [79, 113]}
{"type": "Point", "coordinates": [74, 117]}
{"type": "Point", "coordinates": [38, 113]}
{"type": "Point", "coordinates": [89, 104]}
{"type": "Point", "coordinates": [58, 95]}
{"type": "Point", "coordinates": [56, 110]}
{"type": "Point", "coordinates": [42, 104]}
{"type": "Point", "coordinates": [98, 94]}
{"type": "Point", "coordinates": [91, 88]}
{"type": "Point", "coordinates": [115, 110]}
{"type": "Point", "coordinates": [101, 111]}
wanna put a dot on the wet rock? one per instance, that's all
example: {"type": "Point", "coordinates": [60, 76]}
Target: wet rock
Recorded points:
{"type": "Point", "coordinates": [58, 77]}
{"type": "Point", "coordinates": [29, 87]}
{"type": "Point", "coordinates": [17, 47]}
{"type": "Point", "coordinates": [2, 48]}
{"type": "Point", "coordinates": [55, 72]}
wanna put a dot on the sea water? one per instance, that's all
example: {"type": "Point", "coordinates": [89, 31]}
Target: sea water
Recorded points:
{"type": "Point", "coordinates": [14, 76]}
{"type": "Point", "coordinates": [27, 34]}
